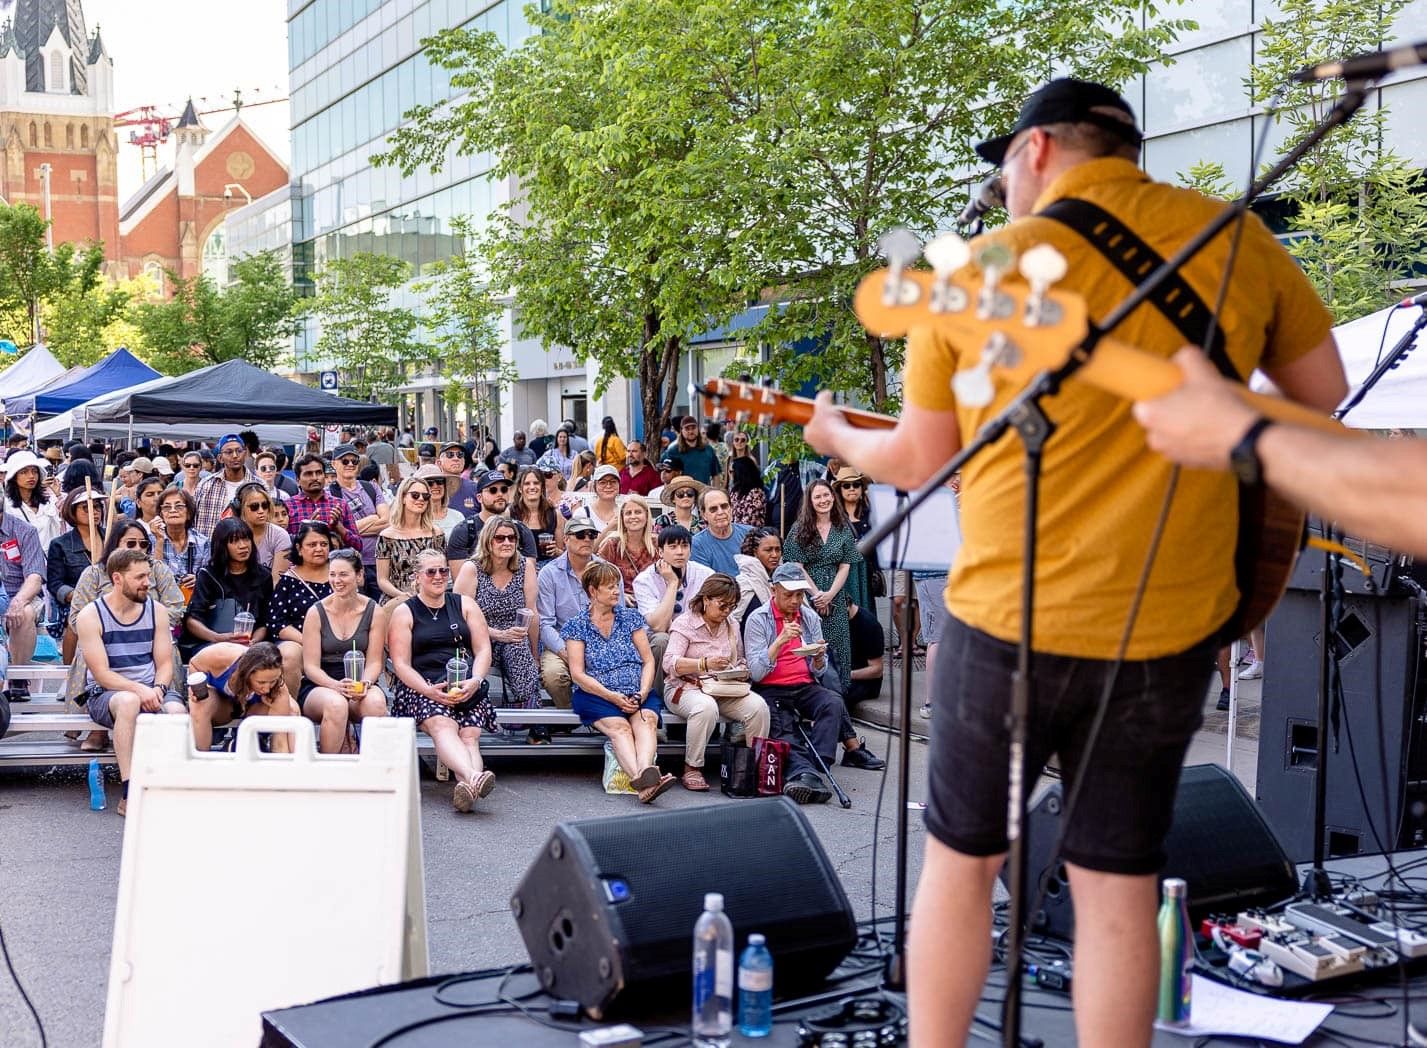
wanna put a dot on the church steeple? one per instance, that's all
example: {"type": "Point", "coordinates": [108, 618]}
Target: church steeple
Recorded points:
{"type": "Point", "coordinates": [36, 22]}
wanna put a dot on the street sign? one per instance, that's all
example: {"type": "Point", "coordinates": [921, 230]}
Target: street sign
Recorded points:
{"type": "Point", "coordinates": [328, 382]}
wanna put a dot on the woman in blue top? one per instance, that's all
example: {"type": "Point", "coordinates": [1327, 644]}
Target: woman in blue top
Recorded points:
{"type": "Point", "coordinates": [612, 670]}
{"type": "Point", "coordinates": [238, 681]}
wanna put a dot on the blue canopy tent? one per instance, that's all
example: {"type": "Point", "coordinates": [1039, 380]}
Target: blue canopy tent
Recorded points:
{"type": "Point", "coordinates": [119, 370]}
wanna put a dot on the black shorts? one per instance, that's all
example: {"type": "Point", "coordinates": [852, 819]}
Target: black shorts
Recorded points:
{"type": "Point", "coordinates": [1127, 799]}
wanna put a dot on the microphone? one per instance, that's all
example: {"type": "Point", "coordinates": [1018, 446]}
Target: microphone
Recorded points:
{"type": "Point", "coordinates": [1370, 66]}
{"type": "Point", "coordinates": [991, 193]}
{"type": "Point", "coordinates": [1412, 303]}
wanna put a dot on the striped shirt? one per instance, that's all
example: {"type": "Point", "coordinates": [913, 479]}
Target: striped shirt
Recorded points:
{"type": "Point", "coordinates": [129, 646]}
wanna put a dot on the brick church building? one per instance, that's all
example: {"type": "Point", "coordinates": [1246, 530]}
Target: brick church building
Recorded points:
{"type": "Point", "coordinates": [57, 109]}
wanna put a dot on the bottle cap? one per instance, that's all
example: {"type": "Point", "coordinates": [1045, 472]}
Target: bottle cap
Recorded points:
{"type": "Point", "coordinates": [756, 940]}
{"type": "Point", "coordinates": [713, 901]}
{"type": "Point", "coordinates": [1174, 887]}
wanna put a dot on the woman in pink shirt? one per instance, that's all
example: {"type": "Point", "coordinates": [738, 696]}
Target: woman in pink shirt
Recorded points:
{"type": "Point", "coordinates": [702, 641]}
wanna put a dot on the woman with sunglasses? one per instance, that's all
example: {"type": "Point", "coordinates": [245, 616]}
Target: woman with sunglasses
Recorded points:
{"type": "Point", "coordinates": [442, 515]}
{"type": "Point", "coordinates": [190, 470]}
{"type": "Point", "coordinates": [71, 554]}
{"type": "Point", "coordinates": [127, 533]}
{"type": "Point", "coordinates": [231, 582]}
{"type": "Point", "coordinates": [301, 586]}
{"type": "Point", "coordinates": [272, 543]}
{"type": "Point", "coordinates": [629, 545]}
{"type": "Point", "coordinates": [428, 630]}
{"type": "Point", "coordinates": [177, 544]}
{"type": "Point", "coordinates": [822, 543]}
{"type": "Point", "coordinates": [503, 584]}
{"type": "Point", "coordinates": [681, 494]}
{"type": "Point", "coordinates": [533, 509]}
{"type": "Point", "coordinates": [240, 681]}
{"type": "Point", "coordinates": [852, 493]}
{"type": "Point", "coordinates": [745, 484]}
{"type": "Point", "coordinates": [410, 533]}
{"type": "Point", "coordinates": [346, 620]}
{"type": "Point", "coordinates": [559, 455]}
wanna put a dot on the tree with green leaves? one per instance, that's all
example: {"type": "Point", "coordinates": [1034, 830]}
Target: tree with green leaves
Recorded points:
{"type": "Point", "coordinates": [31, 273]}
{"type": "Point", "coordinates": [1357, 212]}
{"type": "Point", "coordinates": [681, 161]}
{"type": "Point", "coordinates": [370, 340]}
{"type": "Point", "coordinates": [465, 338]}
{"type": "Point", "coordinates": [201, 324]}
{"type": "Point", "coordinates": [80, 319]}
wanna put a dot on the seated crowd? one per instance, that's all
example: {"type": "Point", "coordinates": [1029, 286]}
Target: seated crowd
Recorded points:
{"type": "Point", "coordinates": [323, 594]}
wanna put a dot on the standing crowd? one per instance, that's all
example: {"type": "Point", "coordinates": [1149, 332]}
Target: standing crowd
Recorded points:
{"type": "Point", "coordinates": [231, 581]}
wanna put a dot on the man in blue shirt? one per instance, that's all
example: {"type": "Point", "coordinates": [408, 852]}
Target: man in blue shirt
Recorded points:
{"type": "Point", "coordinates": [722, 540]}
{"type": "Point", "coordinates": [560, 597]}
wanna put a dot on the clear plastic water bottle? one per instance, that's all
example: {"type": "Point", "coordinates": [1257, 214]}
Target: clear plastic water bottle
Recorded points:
{"type": "Point", "coordinates": [713, 975]}
{"type": "Point", "coordinates": [97, 799]}
{"type": "Point", "coordinates": [755, 989]}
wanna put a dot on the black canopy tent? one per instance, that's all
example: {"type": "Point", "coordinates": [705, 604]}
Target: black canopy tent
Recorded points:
{"type": "Point", "coordinates": [238, 392]}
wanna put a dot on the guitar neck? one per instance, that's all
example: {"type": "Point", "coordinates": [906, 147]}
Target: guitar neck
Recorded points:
{"type": "Point", "coordinates": [799, 411]}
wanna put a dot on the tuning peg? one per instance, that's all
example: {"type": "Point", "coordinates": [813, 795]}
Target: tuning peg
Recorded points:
{"type": "Point", "coordinates": [994, 260]}
{"type": "Point", "coordinates": [973, 386]}
{"type": "Point", "coordinates": [900, 247]}
{"type": "Point", "coordinates": [947, 253]}
{"type": "Point", "coordinates": [1042, 266]}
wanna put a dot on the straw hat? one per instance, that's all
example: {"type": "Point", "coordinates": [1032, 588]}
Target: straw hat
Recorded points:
{"type": "Point", "coordinates": [667, 495]}
{"type": "Point", "coordinates": [848, 475]}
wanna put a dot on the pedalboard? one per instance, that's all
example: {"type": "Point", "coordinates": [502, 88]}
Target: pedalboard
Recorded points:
{"type": "Point", "coordinates": [1357, 925]}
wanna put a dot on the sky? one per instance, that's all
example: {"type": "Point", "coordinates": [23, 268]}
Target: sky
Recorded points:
{"type": "Point", "coordinates": [166, 50]}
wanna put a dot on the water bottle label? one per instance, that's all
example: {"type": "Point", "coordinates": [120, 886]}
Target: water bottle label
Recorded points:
{"type": "Point", "coordinates": [724, 973]}
{"type": "Point", "coordinates": [753, 980]}
{"type": "Point", "coordinates": [703, 985]}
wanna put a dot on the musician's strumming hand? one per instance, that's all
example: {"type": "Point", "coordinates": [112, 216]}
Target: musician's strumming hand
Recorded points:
{"type": "Point", "coordinates": [1199, 423]}
{"type": "Point", "coordinates": [827, 427]}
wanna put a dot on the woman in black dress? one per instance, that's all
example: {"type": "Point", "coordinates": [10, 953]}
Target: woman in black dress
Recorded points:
{"type": "Point", "coordinates": [231, 581]}
{"type": "Point", "coordinates": [427, 631]}
{"type": "Point", "coordinates": [301, 586]}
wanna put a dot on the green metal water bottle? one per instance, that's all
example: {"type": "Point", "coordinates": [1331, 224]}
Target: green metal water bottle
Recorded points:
{"type": "Point", "coordinates": [1176, 953]}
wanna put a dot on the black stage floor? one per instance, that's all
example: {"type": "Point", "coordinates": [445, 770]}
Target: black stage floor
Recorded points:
{"type": "Point", "coordinates": [1366, 1014]}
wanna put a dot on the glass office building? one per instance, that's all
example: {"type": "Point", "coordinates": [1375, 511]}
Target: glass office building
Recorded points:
{"type": "Point", "coordinates": [355, 67]}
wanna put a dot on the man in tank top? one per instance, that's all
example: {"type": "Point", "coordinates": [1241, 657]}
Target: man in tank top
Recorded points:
{"type": "Point", "coordinates": [128, 649]}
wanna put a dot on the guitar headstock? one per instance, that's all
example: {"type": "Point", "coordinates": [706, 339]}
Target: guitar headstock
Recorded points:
{"type": "Point", "coordinates": [1013, 328]}
{"type": "Point", "coordinates": [744, 404]}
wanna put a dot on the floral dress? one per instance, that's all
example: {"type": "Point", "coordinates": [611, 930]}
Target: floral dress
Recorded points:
{"type": "Point", "coordinates": [822, 563]}
{"type": "Point", "coordinates": [403, 553]}
{"type": "Point", "coordinates": [517, 664]}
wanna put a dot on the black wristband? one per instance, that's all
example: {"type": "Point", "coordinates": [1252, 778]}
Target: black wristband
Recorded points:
{"type": "Point", "coordinates": [1244, 458]}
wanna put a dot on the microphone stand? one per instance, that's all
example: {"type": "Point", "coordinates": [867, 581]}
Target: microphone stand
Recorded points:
{"type": "Point", "coordinates": [1025, 415]}
{"type": "Point", "coordinates": [1405, 345]}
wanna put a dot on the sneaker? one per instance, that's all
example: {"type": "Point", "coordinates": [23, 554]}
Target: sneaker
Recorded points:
{"type": "Point", "coordinates": [462, 799]}
{"type": "Point", "coordinates": [1223, 704]}
{"type": "Point", "coordinates": [539, 736]}
{"type": "Point", "coordinates": [807, 788]}
{"type": "Point", "coordinates": [482, 785]}
{"type": "Point", "coordinates": [19, 691]}
{"type": "Point", "coordinates": [862, 758]}
{"type": "Point", "coordinates": [1246, 656]}
{"type": "Point", "coordinates": [925, 713]}
{"type": "Point", "coordinates": [1253, 671]}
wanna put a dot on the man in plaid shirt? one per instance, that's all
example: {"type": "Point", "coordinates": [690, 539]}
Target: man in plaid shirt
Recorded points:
{"type": "Point", "coordinates": [215, 493]}
{"type": "Point", "coordinates": [314, 502]}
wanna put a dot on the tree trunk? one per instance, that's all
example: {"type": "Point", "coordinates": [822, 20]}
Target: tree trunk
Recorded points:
{"type": "Point", "coordinates": [877, 358]}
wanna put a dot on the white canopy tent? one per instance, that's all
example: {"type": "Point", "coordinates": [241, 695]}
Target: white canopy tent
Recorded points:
{"type": "Point", "coordinates": [1399, 400]}
{"type": "Point", "coordinates": [35, 370]}
{"type": "Point", "coordinates": [77, 424]}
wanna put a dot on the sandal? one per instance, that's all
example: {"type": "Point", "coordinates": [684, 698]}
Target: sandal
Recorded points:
{"type": "Point", "coordinates": [694, 780]}
{"type": "Point", "coordinates": [95, 742]}
{"type": "Point", "coordinates": [482, 784]}
{"type": "Point", "coordinates": [647, 779]}
{"type": "Point", "coordinates": [650, 792]}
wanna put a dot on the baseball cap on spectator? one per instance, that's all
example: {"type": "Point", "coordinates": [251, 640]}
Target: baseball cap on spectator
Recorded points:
{"type": "Point", "coordinates": [602, 472]}
{"type": "Point", "coordinates": [790, 577]}
{"type": "Point", "coordinates": [495, 476]}
{"type": "Point", "coordinates": [164, 468]}
{"type": "Point", "coordinates": [225, 440]}
{"type": "Point", "coordinates": [343, 449]}
{"type": "Point", "coordinates": [668, 466]}
{"type": "Point", "coordinates": [547, 469]}
{"type": "Point", "coordinates": [426, 451]}
{"type": "Point", "coordinates": [18, 460]}
{"type": "Point", "coordinates": [581, 524]}
{"type": "Point", "coordinates": [431, 431]}
{"type": "Point", "coordinates": [144, 465]}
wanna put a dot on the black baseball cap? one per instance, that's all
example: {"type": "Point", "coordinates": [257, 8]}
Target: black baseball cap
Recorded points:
{"type": "Point", "coordinates": [495, 476]}
{"type": "Point", "coordinates": [343, 450]}
{"type": "Point", "coordinates": [1067, 101]}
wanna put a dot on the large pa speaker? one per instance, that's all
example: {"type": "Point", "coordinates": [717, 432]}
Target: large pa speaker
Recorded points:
{"type": "Point", "coordinates": [1379, 647]}
{"type": "Point", "coordinates": [1218, 842]}
{"type": "Point", "coordinates": [608, 907]}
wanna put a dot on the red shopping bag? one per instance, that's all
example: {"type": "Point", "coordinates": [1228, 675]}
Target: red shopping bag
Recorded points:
{"type": "Point", "coordinates": [769, 755]}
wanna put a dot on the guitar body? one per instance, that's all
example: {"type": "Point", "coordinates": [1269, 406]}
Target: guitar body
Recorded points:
{"type": "Point", "coordinates": [1270, 537]}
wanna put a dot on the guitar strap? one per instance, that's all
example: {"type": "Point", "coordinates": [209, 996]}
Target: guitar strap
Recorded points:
{"type": "Point", "coordinates": [1124, 249]}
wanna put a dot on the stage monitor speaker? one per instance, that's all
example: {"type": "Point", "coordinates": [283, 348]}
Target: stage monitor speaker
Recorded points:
{"type": "Point", "coordinates": [1218, 842]}
{"type": "Point", "coordinates": [608, 907]}
{"type": "Point", "coordinates": [1379, 646]}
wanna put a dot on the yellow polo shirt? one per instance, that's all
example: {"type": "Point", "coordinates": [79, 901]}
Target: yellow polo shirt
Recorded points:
{"type": "Point", "coordinates": [1102, 488]}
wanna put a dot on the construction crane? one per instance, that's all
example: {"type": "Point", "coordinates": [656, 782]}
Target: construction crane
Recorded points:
{"type": "Point", "coordinates": [151, 127]}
